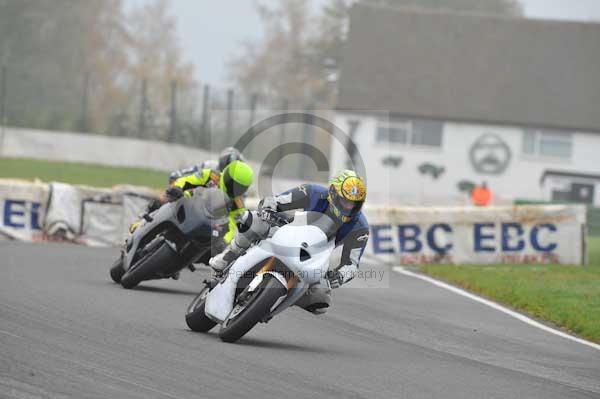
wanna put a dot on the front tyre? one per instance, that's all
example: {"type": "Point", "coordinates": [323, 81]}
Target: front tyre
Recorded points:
{"type": "Point", "coordinates": [257, 306]}
{"type": "Point", "coordinates": [149, 266]}
{"type": "Point", "coordinates": [195, 317]}
{"type": "Point", "coordinates": [117, 271]}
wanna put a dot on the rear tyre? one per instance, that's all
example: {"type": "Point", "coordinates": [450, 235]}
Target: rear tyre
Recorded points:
{"type": "Point", "coordinates": [117, 271]}
{"type": "Point", "coordinates": [195, 317]}
{"type": "Point", "coordinates": [258, 307]}
{"type": "Point", "coordinates": [149, 266]}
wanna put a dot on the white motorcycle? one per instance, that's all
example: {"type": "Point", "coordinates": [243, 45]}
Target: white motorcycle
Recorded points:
{"type": "Point", "coordinates": [270, 277]}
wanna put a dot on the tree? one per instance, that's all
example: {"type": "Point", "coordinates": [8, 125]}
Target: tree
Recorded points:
{"type": "Point", "coordinates": [154, 47]}
{"type": "Point", "coordinates": [79, 64]}
{"type": "Point", "coordinates": [278, 67]}
{"type": "Point", "coordinates": [156, 57]}
{"type": "Point", "coordinates": [58, 54]}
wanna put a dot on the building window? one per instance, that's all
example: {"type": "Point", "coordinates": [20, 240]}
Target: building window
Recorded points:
{"type": "Point", "coordinates": [529, 142]}
{"type": "Point", "coordinates": [410, 132]}
{"type": "Point", "coordinates": [427, 133]}
{"type": "Point", "coordinates": [547, 143]}
{"type": "Point", "coordinates": [393, 132]}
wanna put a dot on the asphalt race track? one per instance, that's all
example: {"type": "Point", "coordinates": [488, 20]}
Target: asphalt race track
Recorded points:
{"type": "Point", "coordinates": [67, 331]}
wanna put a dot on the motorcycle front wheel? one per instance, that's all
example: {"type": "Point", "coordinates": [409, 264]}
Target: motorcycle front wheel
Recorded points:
{"type": "Point", "coordinates": [117, 271]}
{"type": "Point", "coordinates": [195, 317]}
{"type": "Point", "coordinates": [148, 266]}
{"type": "Point", "coordinates": [256, 307]}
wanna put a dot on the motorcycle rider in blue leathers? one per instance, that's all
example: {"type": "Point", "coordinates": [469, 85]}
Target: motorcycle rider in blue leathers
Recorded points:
{"type": "Point", "coordinates": [341, 202]}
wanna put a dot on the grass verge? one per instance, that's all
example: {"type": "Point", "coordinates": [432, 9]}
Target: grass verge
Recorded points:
{"type": "Point", "coordinates": [568, 296]}
{"type": "Point", "coordinates": [78, 173]}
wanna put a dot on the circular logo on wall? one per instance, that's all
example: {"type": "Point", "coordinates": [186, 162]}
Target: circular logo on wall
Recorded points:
{"type": "Point", "coordinates": [490, 155]}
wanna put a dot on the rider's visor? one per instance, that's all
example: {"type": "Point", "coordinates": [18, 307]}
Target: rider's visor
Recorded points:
{"type": "Point", "coordinates": [349, 208]}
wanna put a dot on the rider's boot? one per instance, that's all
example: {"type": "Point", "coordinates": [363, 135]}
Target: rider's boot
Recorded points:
{"type": "Point", "coordinates": [227, 257]}
{"type": "Point", "coordinates": [317, 299]}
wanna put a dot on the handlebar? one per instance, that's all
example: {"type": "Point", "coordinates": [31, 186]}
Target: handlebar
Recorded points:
{"type": "Point", "coordinates": [274, 218]}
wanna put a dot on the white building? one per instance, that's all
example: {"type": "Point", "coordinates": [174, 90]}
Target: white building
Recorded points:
{"type": "Point", "coordinates": [438, 102]}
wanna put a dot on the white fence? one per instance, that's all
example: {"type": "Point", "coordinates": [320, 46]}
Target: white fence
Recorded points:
{"type": "Point", "coordinates": [113, 151]}
{"type": "Point", "coordinates": [97, 149]}
{"type": "Point", "coordinates": [523, 234]}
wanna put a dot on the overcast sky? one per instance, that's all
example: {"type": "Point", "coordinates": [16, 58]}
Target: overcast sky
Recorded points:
{"type": "Point", "coordinates": [211, 30]}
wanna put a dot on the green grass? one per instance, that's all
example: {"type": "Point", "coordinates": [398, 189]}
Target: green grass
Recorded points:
{"type": "Point", "coordinates": [77, 173]}
{"type": "Point", "coordinates": [568, 296]}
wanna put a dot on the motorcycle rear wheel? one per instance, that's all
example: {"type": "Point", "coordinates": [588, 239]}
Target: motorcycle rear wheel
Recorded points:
{"type": "Point", "coordinates": [148, 266]}
{"type": "Point", "coordinates": [195, 317]}
{"type": "Point", "coordinates": [261, 302]}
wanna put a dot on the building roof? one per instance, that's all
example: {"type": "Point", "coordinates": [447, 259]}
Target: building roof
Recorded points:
{"type": "Point", "coordinates": [472, 68]}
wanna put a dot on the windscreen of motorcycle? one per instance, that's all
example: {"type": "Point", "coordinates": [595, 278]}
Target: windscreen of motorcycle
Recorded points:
{"type": "Point", "coordinates": [213, 203]}
{"type": "Point", "coordinates": [324, 222]}
{"type": "Point", "coordinates": [203, 214]}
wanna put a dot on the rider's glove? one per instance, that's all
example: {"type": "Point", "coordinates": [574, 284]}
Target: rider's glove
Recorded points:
{"type": "Point", "coordinates": [153, 205]}
{"type": "Point", "coordinates": [173, 194]}
{"type": "Point", "coordinates": [335, 278]}
{"type": "Point", "coordinates": [268, 204]}
{"type": "Point", "coordinates": [267, 215]}
{"type": "Point", "coordinates": [267, 209]}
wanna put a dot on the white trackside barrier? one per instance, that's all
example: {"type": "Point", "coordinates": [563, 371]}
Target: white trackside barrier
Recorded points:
{"type": "Point", "coordinates": [473, 235]}
{"type": "Point", "coordinates": [404, 235]}
{"type": "Point", "coordinates": [22, 209]}
{"type": "Point", "coordinates": [58, 211]}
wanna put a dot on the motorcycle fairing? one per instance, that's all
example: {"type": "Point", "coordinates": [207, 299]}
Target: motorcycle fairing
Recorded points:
{"type": "Point", "coordinates": [286, 244]}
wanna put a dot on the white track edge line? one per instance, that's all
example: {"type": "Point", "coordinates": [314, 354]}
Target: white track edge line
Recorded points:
{"type": "Point", "coordinates": [10, 334]}
{"type": "Point", "coordinates": [494, 305]}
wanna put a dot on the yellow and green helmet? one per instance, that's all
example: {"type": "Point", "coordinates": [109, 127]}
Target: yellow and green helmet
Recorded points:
{"type": "Point", "coordinates": [236, 178]}
{"type": "Point", "coordinates": [347, 194]}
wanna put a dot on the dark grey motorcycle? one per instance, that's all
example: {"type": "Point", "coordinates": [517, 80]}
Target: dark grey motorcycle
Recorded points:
{"type": "Point", "coordinates": [179, 234]}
